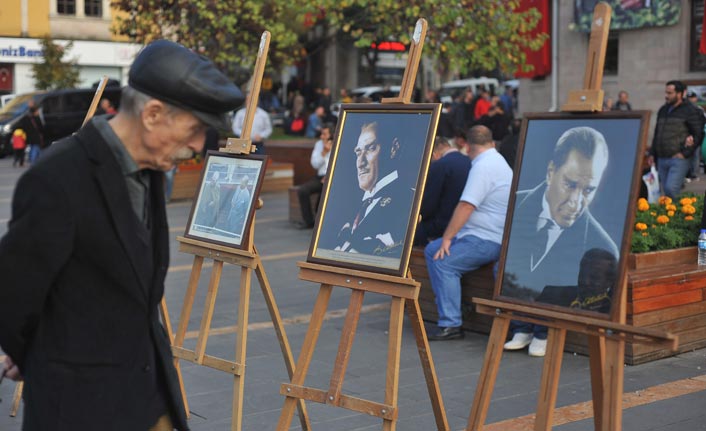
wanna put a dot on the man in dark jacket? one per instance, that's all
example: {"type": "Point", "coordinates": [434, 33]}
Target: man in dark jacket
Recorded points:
{"type": "Point", "coordinates": [87, 251]}
{"type": "Point", "coordinates": [679, 128]}
{"type": "Point", "coordinates": [446, 179]}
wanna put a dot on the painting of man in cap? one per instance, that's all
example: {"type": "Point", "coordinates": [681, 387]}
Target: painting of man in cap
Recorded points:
{"type": "Point", "coordinates": [84, 331]}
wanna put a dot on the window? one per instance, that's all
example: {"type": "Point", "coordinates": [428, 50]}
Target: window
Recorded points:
{"type": "Point", "coordinates": [697, 62]}
{"type": "Point", "coordinates": [611, 55]}
{"type": "Point", "coordinates": [93, 8]}
{"type": "Point", "coordinates": [66, 7]}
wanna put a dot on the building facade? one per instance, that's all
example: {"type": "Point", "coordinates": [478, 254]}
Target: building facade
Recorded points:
{"type": "Point", "coordinates": [639, 61]}
{"type": "Point", "coordinates": [86, 22]}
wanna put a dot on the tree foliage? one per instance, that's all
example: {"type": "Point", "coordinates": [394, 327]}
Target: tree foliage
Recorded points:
{"type": "Point", "coordinates": [54, 72]}
{"type": "Point", "coordinates": [226, 31]}
{"type": "Point", "coordinates": [465, 35]}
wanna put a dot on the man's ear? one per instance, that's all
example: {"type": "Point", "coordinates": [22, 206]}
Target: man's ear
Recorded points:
{"type": "Point", "coordinates": [394, 148]}
{"type": "Point", "coordinates": [153, 113]}
{"type": "Point", "coordinates": [550, 171]}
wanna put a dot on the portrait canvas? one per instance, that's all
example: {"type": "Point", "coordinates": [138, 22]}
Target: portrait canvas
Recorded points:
{"type": "Point", "coordinates": [225, 201]}
{"type": "Point", "coordinates": [569, 222]}
{"type": "Point", "coordinates": [371, 199]}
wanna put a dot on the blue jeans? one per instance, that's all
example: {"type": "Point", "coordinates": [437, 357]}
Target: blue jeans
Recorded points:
{"type": "Point", "coordinates": [33, 153]}
{"type": "Point", "coordinates": [538, 331]}
{"type": "Point", "coordinates": [467, 253]}
{"type": "Point", "coordinates": [672, 172]}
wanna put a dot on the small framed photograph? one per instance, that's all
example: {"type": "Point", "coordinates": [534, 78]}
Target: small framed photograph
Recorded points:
{"type": "Point", "coordinates": [225, 202]}
{"type": "Point", "coordinates": [569, 223]}
{"type": "Point", "coordinates": [371, 199]}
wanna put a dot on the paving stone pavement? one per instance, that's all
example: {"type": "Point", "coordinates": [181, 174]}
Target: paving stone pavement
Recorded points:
{"type": "Point", "coordinates": [458, 362]}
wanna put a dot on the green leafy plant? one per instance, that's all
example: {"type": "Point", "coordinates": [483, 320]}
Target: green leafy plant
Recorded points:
{"type": "Point", "coordinates": [54, 72]}
{"type": "Point", "coordinates": [667, 224]}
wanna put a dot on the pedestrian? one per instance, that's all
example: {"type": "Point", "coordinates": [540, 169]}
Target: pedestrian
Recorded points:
{"type": "Point", "coordinates": [87, 251]}
{"type": "Point", "coordinates": [19, 143]}
{"type": "Point", "coordinates": [34, 128]}
{"type": "Point", "coordinates": [261, 126]}
{"type": "Point", "coordinates": [679, 126]}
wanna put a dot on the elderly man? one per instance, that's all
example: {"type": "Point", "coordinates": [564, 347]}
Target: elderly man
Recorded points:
{"type": "Point", "coordinates": [239, 205]}
{"type": "Point", "coordinates": [87, 251]}
{"type": "Point", "coordinates": [553, 227]}
{"type": "Point", "coordinates": [474, 234]}
{"type": "Point", "coordinates": [374, 230]}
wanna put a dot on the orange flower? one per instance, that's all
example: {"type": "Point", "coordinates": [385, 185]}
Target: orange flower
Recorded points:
{"type": "Point", "coordinates": [688, 209]}
{"type": "Point", "coordinates": [643, 205]}
{"type": "Point", "coordinates": [685, 201]}
{"type": "Point", "coordinates": [665, 200]}
{"type": "Point", "coordinates": [671, 207]}
{"type": "Point", "coordinates": [640, 226]}
{"type": "Point", "coordinates": [670, 213]}
{"type": "Point", "coordinates": [662, 219]}
{"type": "Point", "coordinates": [653, 213]}
{"type": "Point", "coordinates": [694, 199]}
{"type": "Point", "coordinates": [689, 218]}
{"type": "Point", "coordinates": [644, 234]}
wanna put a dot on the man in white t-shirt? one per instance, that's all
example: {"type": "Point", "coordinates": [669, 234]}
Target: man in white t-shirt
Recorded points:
{"type": "Point", "coordinates": [261, 126]}
{"type": "Point", "coordinates": [474, 234]}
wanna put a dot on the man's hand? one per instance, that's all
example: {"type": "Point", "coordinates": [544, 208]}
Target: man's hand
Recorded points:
{"type": "Point", "coordinates": [689, 141]}
{"type": "Point", "coordinates": [257, 138]}
{"type": "Point", "coordinates": [444, 249]}
{"type": "Point", "coordinates": [10, 370]}
{"type": "Point", "coordinates": [650, 160]}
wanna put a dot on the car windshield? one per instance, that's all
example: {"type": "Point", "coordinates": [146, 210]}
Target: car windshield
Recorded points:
{"type": "Point", "coordinates": [17, 104]}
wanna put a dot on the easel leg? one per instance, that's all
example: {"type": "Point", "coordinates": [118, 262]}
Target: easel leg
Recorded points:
{"type": "Point", "coordinates": [16, 399]}
{"type": "Point", "coordinates": [488, 374]}
{"type": "Point", "coordinates": [178, 340]}
{"type": "Point", "coordinates": [241, 347]}
{"type": "Point", "coordinates": [596, 357]}
{"type": "Point", "coordinates": [282, 337]}
{"type": "Point", "coordinates": [550, 379]}
{"type": "Point", "coordinates": [344, 347]}
{"type": "Point", "coordinates": [613, 381]}
{"type": "Point", "coordinates": [312, 335]}
{"type": "Point", "coordinates": [393, 359]}
{"type": "Point", "coordinates": [208, 311]}
{"type": "Point", "coordinates": [420, 335]}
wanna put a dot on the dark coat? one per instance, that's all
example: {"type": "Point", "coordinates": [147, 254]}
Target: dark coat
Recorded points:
{"type": "Point", "coordinates": [82, 280]}
{"type": "Point", "coordinates": [560, 267]}
{"type": "Point", "coordinates": [442, 191]}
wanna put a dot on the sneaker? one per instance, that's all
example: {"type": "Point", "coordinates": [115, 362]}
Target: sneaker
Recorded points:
{"type": "Point", "coordinates": [538, 347]}
{"type": "Point", "coordinates": [519, 341]}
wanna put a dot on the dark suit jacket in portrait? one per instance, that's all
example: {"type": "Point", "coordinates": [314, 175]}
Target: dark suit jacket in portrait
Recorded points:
{"type": "Point", "coordinates": [82, 280]}
{"type": "Point", "coordinates": [445, 182]}
{"type": "Point", "coordinates": [560, 266]}
{"type": "Point", "coordinates": [386, 219]}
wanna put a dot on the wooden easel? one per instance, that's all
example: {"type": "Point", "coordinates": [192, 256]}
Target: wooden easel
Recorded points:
{"type": "Point", "coordinates": [248, 259]}
{"type": "Point", "coordinates": [404, 293]}
{"type": "Point", "coordinates": [606, 339]}
{"type": "Point", "coordinates": [17, 397]}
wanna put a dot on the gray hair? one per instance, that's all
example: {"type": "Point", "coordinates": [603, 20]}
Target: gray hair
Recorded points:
{"type": "Point", "coordinates": [132, 102]}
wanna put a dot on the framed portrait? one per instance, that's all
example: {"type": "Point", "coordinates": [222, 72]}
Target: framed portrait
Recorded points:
{"type": "Point", "coordinates": [225, 200]}
{"type": "Point", "coordinates": [374, 186]}
{"type": "Point", "coordinates": [569, 222]}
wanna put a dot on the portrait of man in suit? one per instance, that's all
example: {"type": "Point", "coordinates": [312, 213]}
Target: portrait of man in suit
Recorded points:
{"type": "Point", "coordinates": [370, 230]}
{"type": "Point", "coordinates": [552, 226]}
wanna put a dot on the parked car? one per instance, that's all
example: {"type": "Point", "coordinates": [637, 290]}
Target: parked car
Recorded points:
{"type": "Point", "coordinates": [62, 112]}
{"type": "Point", "coordinates": [373, 93]}
{"type": "Point", "coordinates": [449, 89]}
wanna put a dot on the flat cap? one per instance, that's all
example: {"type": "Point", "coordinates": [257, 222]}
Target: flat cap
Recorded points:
{"type": "Point", "coordinates": [174, 74]}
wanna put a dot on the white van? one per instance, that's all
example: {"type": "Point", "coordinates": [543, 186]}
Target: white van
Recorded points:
{"type": "Point", "coordinates": [450, 88]}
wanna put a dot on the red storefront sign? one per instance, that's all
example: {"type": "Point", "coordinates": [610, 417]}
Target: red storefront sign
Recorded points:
{"type": "Point", "coordinates": [541, 59]}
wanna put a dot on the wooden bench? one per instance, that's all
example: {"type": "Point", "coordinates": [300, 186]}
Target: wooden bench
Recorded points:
{"type": "Point", "coordinates": [294, 151]}
{"type": "Point", "coordinates": [478, 283]}
{"type": "Point", "coordinates": [278, 177]}
{"type": "Point", "coordinates": [295, 211]}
